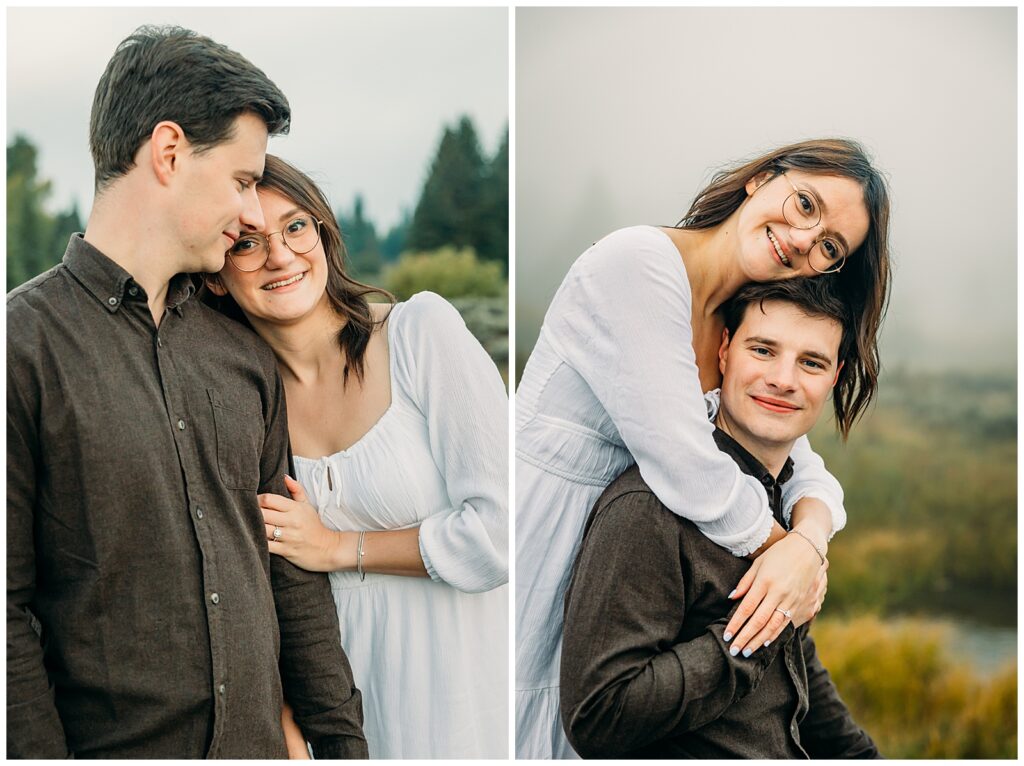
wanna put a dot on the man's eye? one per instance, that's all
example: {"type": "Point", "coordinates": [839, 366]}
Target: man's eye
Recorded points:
{"type": "Point", "coordinates": [813, 365]}
{"type": "Point", "coordinates": [760, 351]}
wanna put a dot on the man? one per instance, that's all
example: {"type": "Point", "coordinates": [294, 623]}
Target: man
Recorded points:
{"type": "Point", "coordinates": [646, 670]}
{"type": "Point", "coordinates": [145, 617]}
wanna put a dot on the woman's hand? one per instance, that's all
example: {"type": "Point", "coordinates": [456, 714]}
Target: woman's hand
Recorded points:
{"type": "Point", "coordinates": [302, 539]}
{"type": "Point", "coordinates": [293, 739]}
{"type": "Point", "coordinates": [785, 577]}
{"type": "Point", "coordinates": [807, 609]}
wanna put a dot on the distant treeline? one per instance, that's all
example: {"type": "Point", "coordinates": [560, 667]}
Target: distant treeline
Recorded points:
{"type": "Point", "coordinates": [930, 477]}
{"type": "Point", "coordinates": [463, 204]}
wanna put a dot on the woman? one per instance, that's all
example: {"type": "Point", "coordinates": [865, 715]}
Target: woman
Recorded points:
{"type": "Point", "coordinates": [626, 352]}
{"type": "Point", "coordinates": [398, 424]}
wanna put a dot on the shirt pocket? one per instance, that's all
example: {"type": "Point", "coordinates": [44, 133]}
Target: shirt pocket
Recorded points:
{"type": "Point", "coordinates": [239, 427]}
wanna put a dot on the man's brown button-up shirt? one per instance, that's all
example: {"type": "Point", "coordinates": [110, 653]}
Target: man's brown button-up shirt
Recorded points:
{"type": "Point", "coordinates": [645, 671]}
{"type": "Point", "coordinates": [145, 616]}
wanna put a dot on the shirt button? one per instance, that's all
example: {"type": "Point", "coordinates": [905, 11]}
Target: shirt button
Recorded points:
{"type": "Point", "coordinates": [215, 598]}
{"type": "Point", "coordinates": [199, 513]}
{"type": "Point", "coordinates": [112, 301]}
{"type": "Point", "coordinates": [133, 291]}
{"type": "Point", "coordinates": [181, 425]}
{"type": "Point", "coordinates": [222, 688]}
{"type": "Point", "coordinates": [160, 343]}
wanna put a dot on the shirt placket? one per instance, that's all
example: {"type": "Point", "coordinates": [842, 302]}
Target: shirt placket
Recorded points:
{"type": "Point", "coordinates": [184, 427]}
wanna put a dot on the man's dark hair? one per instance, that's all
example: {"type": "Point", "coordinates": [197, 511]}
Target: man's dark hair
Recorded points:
{"type": "Point", "coordinates": [170, 73]}
{"type": "Point", "coordinates": [815, 297]}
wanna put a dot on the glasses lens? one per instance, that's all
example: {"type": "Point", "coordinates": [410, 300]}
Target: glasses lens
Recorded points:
{"type": "Point", "coordinates": [801, 210]}
{"type": "Point", "coordinates": [302, 233]}
{"type": "Point", "coordinates": [249, 253]}
{"type": "Point", "coordinates": [827, 256]}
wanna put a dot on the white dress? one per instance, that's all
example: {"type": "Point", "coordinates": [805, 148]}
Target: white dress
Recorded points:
{"type": "Point", "coordinates": [613, 379]}
{"type": "Point", "coordinates": [430, 655]}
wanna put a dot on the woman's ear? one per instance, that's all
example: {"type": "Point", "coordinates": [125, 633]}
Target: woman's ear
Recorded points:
{"type": "Point", "coordinates": [214, 285]}
{"type": "Point", "coordinates": [758, 181]}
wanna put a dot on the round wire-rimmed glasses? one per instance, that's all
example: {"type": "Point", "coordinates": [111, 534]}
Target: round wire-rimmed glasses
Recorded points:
{"type": "Point", "coordinates": [802, 210]}
{"type": "Point", "coordinates": [300, 235]}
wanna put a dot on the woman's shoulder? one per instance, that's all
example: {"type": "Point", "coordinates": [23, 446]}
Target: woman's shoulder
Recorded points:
{"type": "Point", "coordinates": [423, 308]}
{"type": "Point", "coordinates": [648, 248]}
{"type": "Point", "coordinates": [644, 235]}
{"type": "Point", "coordinates": [424, 321]}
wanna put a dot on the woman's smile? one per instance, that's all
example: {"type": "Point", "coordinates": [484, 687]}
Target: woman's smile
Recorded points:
{"type": "Point", "coordinates": [777, 246]}
{"type": "Point", "coordinates": [280, 284]}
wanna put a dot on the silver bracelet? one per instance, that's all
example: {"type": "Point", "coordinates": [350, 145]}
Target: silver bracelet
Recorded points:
{"type": "Point", "coordinates": [359, 556]}
{"type": "Point", "coordinates": [816, 548]}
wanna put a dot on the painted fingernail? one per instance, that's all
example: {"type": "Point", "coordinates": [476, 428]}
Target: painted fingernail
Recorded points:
{"type": "Point", "coordinates": [727, 636]}
{"type": "Point", "coordinates": [766, 643]}
{"type": "Point", "coordinates": [731, 595]}
{"type": "Point", "coordinates": [747, 652]}
{"type": "Point", "coordinates": [734, 651]}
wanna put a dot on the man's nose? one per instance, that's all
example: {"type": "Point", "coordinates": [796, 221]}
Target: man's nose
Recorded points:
{"type": "Point", "coordinates": [781, 374]}
{"type": "Point", "coordinates": [251, 216]}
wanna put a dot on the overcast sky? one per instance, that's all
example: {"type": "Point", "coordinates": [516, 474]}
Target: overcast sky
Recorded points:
{"type": "Point", "coordinates": [370, 89]}
{"type": "Point", "coordinates": [623, 114]}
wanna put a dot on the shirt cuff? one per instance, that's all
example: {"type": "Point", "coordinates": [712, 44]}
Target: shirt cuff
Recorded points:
{"type": "Point", "coordinates": [347, 748]}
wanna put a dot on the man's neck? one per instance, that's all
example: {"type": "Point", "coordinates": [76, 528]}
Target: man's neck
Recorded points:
{"type": "Point", "coordinates": [121, 228]}
{"type": "Point", "coordinates": [771, 455]}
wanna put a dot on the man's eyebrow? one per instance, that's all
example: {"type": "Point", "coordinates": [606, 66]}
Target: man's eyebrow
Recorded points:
{"type": "Point", "coordinates": [824, 209]}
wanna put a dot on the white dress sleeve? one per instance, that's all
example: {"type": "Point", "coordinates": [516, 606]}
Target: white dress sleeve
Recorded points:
{"type": "Point", "coordinates": [622, 320]}
{"type": "Point", "coordinates": [457, 388]}
{"type": "Point", "coordinates": [811, 479]}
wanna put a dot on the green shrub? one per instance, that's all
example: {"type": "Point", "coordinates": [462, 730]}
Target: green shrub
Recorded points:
{"type": "Point", "coordinates": [448, 272]}
{"type": "Point", "coordinates": [915, 700]}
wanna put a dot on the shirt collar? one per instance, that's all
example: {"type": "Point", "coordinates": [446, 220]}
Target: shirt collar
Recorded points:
{"type": "Point", "coordinates": [108, 282]}
{"type": "Point", "coordinates": [748, 463]}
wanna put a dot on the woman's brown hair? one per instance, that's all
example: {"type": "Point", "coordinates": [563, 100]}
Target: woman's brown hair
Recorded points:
{"type": "Point", "coordinates": [863, 283]}
{"type": "Point", "coordinates": [346, 295]}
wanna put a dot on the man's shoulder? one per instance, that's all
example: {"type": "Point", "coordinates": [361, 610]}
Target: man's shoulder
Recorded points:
{"type": "Point", "coordinates": [628, 483]}
{"type": "Point", "coordinates": [629, 503]}
{"type": "Point", "coordinates": [228, 331]}
{"type": "Point", "coordinates": [35, 303]}
{"type": "Point", "coordinates": [43, 287]}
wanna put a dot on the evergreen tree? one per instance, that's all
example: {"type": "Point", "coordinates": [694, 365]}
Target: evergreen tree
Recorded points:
{"type": "Point", "coordinates": [393, 245]}
{"type": "Point", "coordinates": [448, 209]}
{"type": "Point", "coordinates": [491, 228]}
{"type": "Point", "coordinates": [36, 240]}
{"type": "Point", "coordinates": [360, 235]}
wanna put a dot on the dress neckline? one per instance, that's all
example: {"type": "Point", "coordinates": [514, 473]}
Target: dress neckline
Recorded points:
{"type": "Point", "coordinates": [357, 444]}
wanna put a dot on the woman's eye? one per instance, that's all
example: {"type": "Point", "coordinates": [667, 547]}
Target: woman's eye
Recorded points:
{"type": "Point", "coordinates": [298, 225]}
{"type": "Point", "coordinates": [806, 203]}
{"type": "Point", "coordinates": [831, 248]}
{"type": "Point", "coordinates": [244, 245]}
